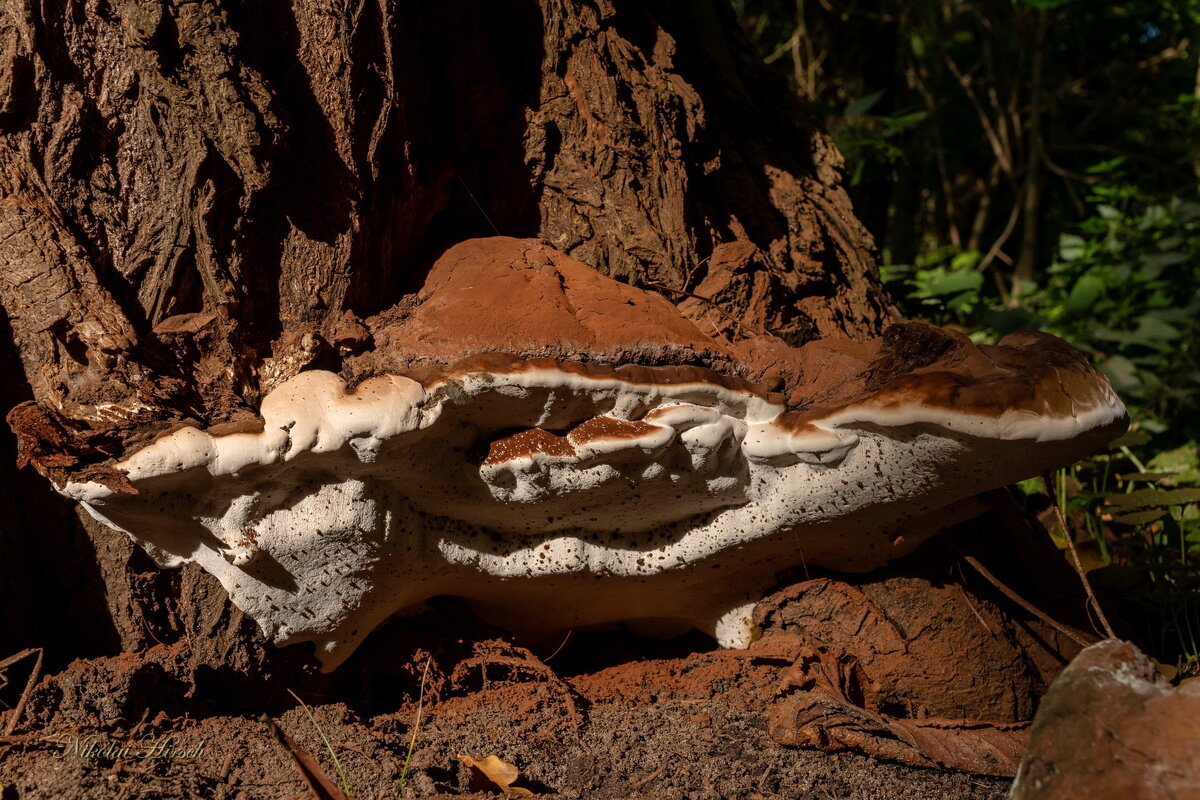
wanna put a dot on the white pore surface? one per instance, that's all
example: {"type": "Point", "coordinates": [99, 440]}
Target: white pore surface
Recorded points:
{"type": "Point", "coordinates": [349, 507]}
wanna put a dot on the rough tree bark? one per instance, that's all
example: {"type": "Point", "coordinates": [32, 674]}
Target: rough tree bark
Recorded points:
{"type": "Point", "coordinates": [198, 200]}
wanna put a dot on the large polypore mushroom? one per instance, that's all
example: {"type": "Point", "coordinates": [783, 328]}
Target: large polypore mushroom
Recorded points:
{"type": "Point", "coordinates": [564, 450]}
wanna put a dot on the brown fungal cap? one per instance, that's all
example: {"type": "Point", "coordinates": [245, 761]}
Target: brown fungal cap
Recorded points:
{"type": "Point", "coordinates": [522, 298]}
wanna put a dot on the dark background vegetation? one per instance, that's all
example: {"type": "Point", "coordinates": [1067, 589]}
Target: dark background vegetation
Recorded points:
{"type": "Point", "coordinates": [1034, 164]}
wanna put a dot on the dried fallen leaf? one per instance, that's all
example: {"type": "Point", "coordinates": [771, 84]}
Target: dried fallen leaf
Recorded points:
{"type": "Point", "coordinates": [499, 772]}
{"type": "Point", "coordinates": [817, 711]}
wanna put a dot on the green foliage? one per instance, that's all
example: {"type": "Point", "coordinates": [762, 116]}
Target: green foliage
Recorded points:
{"type": "Point", "coordinates": [1124, 287]}
{"type": "Point", "coordinates": [1034, 164]}
{"type": "Point", "coordinates": [975, 124]}
{"type": "Point", "coordinates": [1127, 288]}
{"type": "Point", "coordinates": [1142, 522]}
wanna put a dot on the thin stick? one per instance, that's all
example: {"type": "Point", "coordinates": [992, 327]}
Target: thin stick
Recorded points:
{"type": "Point", "coordinates": [566, 639]}
{"type": "Point", "coordinates": [1013, 596]}
{"type": "Point", "coordinates": [34, 674]}
{"type": "Point", "coordinates": [1087, 585]}
{"type": "Point", "coordinates": [477, 205]}
{"type": "Point", "coordinates": [14, 658]}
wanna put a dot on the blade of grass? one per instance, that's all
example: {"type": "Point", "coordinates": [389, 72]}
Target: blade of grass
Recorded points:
{"type": "Point", "coordinates": [1136, 462]}
{"type": "Point", "coordinates": [332, 753]}
{"type": "Point", "coordinates": [412, 742]}
{"type": "Point", "coordinates": [319, 784]}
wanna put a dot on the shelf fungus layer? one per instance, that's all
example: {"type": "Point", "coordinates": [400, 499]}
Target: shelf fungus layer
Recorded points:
{"type": "Point", "coordinates": [555, 494]}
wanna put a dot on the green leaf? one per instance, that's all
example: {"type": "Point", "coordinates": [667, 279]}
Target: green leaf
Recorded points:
{"type": "Point", "coordinates": [1183, 463]}
{"type": "Point", "coordinates": [1121, 371]}
{"type": "Point", "coordinates": [1151, 326]}
{"type": "Point", "coordinates": [1106, 166]}
{"type": "Point", "coordinates": [1153, 264]}
{"type": "Point", "coordinates": [917, 44]}
{"type": "Point", "coordinates": [1153, 425]}
{"type": "Point", "coordinates": [902, 123]}
{"type": "Point", "coordinates": [1070, 246]}
{"type": "Point", "coordinates": [1155, 498]}
{"type": "Point", "coordinates": [1030, 487]}
{"type": "Point", "coordinates": [940, 281]}
{"type": "Point", "coordinates": [1152, 216]}
{"type": "Point", "coordinates": [963, 303]}
{"type": "Point", "coordinates": [863, 104]}
{"type": "Point", "coordinates": [1087, 290]}
{"type": "Point", "coordinates": [1144, 476]}
{"type": "Point", "coordinates": [1132, 438]}
{"type": "Point", "coordinates": [966, 260]}
{"type": "Point", "coordinates": [1141, 517]}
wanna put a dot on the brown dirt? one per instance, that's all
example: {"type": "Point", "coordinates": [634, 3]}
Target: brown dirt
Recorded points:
{"type": "Point", "coordinates": [601, 715]}
{"type": "Point", "coordinates": [665, 728]}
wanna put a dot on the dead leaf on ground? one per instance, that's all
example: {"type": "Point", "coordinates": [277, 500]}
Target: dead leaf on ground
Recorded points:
{"type": "Point", "coordinates": [498, 772]}
{"type": "Point", "coordinates": [816, 710]}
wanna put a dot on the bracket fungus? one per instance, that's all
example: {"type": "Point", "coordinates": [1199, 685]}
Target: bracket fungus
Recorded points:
{"type": "Point", "coordinates": [564, 450]}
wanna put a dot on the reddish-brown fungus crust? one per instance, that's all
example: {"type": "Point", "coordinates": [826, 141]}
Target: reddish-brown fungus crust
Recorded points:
{"type": "Point", "coordinates": [608, 429]}
{"type": "Point", "coordinates": [536, 440]}
{"type": "Point", "coordinates": [1027, 371]}
{"type": "Point", "coordinates": [526, 444]}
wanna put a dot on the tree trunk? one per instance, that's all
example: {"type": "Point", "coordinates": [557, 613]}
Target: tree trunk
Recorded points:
{"type": "Point", "coordinates": [198, 200]}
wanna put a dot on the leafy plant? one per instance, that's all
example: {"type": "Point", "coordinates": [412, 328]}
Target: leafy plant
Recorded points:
{"type": "Point", "coordinates": [1142, 522]}
{"type": "Point", "coordinates": [1124, 286]}
{"type": "Point", "coordinates": [1035, 164]}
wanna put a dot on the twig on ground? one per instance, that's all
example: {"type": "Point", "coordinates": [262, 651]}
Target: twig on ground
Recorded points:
{"type": "Point", "coordinates": [319, 784]}
{"type": "Point", "coordinates": [34, 674]}
{"type": "Point", "coordinates": [14, 658]}
{"type": "Point", "coordinates": [1013, 596]}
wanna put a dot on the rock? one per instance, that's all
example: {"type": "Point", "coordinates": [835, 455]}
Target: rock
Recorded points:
{"type": "Point", "coordinates": [1112, 728]}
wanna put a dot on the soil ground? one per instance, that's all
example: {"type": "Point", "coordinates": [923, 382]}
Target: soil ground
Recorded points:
{"type": "Point", "coordinates": [684, 726]}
